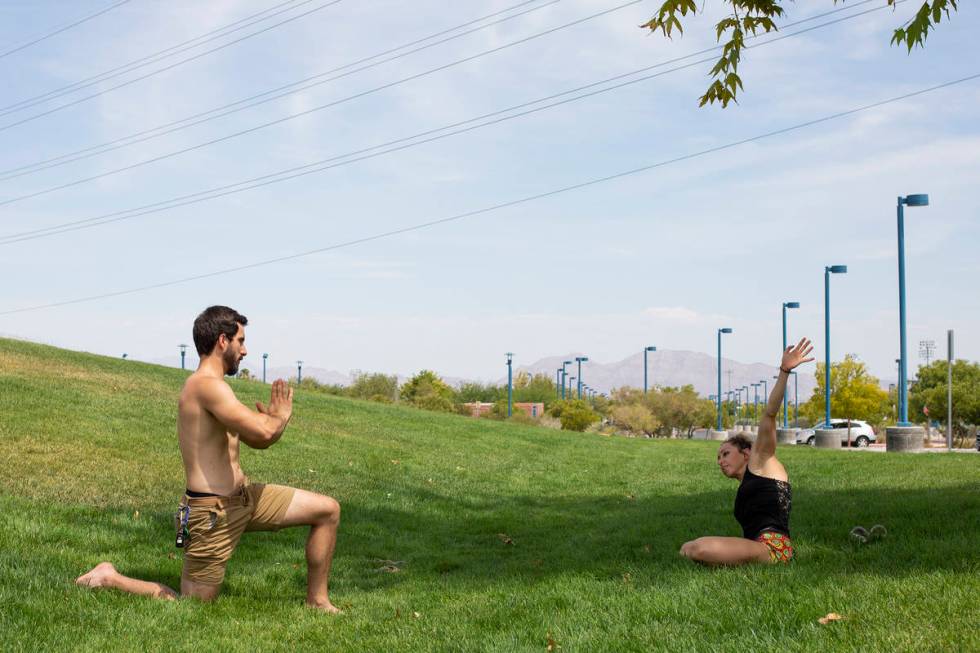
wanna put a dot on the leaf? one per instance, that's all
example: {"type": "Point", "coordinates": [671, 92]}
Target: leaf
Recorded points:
{"type": "Point", "coordinates": [417, 615]}
{"type": "Point", "coordinates": [506, 539]}
{"type": "Point", "coordinates": [552, 644]}
{"type": "Point", "coordinates": [396, 462]}
{"type": "Point", "coordinates": [831, 616]}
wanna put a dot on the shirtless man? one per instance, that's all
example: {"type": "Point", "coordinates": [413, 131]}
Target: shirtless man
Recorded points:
{"type": "Point", "coordinates": [220, 502]}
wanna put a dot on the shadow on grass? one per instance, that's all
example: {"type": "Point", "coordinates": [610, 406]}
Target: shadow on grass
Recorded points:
{"type": "Point", "coordinates": [468, 541]}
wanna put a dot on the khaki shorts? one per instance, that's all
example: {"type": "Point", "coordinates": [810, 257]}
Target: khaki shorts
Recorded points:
{"type": "Point", "coordinates": [215, 524]}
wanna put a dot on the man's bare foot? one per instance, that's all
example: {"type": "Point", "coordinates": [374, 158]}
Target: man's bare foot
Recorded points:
{"type": "Point", "coordinates": [324, 605]}
{"type": "Point", "coordinates": [98, 577]}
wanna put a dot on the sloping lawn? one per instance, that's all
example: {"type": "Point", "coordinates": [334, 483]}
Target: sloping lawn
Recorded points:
{"type": "Point", "coordinates": [460, 534]}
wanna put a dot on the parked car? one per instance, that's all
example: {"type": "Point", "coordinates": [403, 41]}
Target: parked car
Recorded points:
{"type": "Point", "coordinates": [861, 433]}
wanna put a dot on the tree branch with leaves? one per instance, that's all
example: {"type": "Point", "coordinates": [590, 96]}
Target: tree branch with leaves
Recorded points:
{"type": "Point", "coordinates": [759, 16]}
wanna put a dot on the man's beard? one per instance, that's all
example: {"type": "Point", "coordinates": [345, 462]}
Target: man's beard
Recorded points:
{"type": "Point", "coordinates": [231, 361]}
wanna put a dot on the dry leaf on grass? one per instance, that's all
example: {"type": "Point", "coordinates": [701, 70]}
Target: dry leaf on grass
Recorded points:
{"type": "Point", "coordinates": [647, 548]}
{"type": "Point", "coordinates": [416, 615]}
{"type": "Point", "coordinates": [831, 616]}
{"type": "Point", "coordinates": [136, 515]}
{"type": "Point", "coordinates": [552, 644]}
{"type": "Point", "coordinates": [505, 538]}
{"type": "Point", "coordinates": [631, 497]}
{"type": "Point", "coordinates": [627, 578]}
{"type": "Point", "coordinates": [396, 462]}
{"type": "Point", "coordinates": [171, 555]}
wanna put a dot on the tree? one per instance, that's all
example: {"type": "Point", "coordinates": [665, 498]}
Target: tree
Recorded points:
{"type": "Point", "coordinates": [635, 419]}
{"type": "Point", "coordinates": [474, 391]}
{"type": "Point", "coordinates": [539, 388]}
{"type": "Point", "coordinates": [426, 390]}
{"type": "Point", "coordinates": [679, 408]}
{"type": "Point", "coordinates": [930, 390]}
{"type": "Point", "coordinates": [855, 394]}
{"type": "Point", "coordinates": [576, 415]}
{"type": "Point", "coordinates": [376, 387]}
{"type": "Point", "coordinates": [753, 16]}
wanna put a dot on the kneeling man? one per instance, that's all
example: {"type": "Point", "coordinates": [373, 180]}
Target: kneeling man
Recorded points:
{"type": "Point", "coordinates": [220, 503]}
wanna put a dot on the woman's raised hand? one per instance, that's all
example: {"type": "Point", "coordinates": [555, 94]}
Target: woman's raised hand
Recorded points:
{"type": "Point", "coordinates": [796, 355]}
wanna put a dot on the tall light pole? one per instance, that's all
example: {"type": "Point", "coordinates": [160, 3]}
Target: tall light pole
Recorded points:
{"type": "Point", "coordinates": [645, 351]}
{"type": "Point", "coordinates": [949, 389]}
{"type": "Point", "coordinates": [510, 385]}
{"type": "Point", "coordinates": [299, 372]}
{"type": "Point", "coordinates": [910, 200]}
{"type": "Point", "coordinates": [755, 401]}
{"type": "Point", "coordinates": [765, 390]}
{"type": "Point", "coordinates": [183, 353]}
{"type": "Point", "coordinates": [265, 357]}
{"type": "Point", "coordinates": [570, 379]}
{"type": "Point", "coordinates": [557, 383]}
{"type": "Point", "coordinates": [796, 399]}
{"type": "Point", "coordinates": [720, 331]}
{"type": "Point", "coordinates": [579, 360]}
{"type": "Point", "coordinates": [564, 377]}
{"type": "Point", "coordinates": [785, 344]}
{"type": "Point", "coordinates": [827, 271]}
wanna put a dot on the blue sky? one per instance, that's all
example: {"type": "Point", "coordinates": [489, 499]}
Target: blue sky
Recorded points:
{"type": "Point", "coordinates": [663, 257]}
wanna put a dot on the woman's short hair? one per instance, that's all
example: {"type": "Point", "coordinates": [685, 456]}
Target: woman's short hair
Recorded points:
{"type": "Point", "coordinates": [739, 441]}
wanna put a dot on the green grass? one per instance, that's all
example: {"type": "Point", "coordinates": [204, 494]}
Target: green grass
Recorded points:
{"type": "Point", "coordinates": [89, 442]}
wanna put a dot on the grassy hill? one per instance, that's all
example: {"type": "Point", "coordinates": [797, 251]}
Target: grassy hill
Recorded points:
{"type": "Point", "coordinates": [503, 536]}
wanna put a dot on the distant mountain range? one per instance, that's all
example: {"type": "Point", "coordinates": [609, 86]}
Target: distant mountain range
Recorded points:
{"type": "Point", "coordinates": [666, 368]}
{"type": "Point", "coordinates": [671, 368]}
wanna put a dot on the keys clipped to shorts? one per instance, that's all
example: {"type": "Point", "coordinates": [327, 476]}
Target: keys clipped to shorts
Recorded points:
{"type": "Point", "coordinates": [183, 536]}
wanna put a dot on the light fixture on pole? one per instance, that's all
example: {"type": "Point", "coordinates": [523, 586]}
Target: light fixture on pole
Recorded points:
{"type": "Point", "coordinates": [908, 200]}
{"type": "Point", "coordinates": [720, 331]}
{"type": "Point", "coordinates": [183, 353]}
{"type": "Point", "coordinates": [827, 271]}
{"type": "Point", "coordinates": [510, 385]}
{"type": "Point", "coordinates": [645, 351]}
{"type": "Point", "coordinates": [564, 377]}
{"type": "Point", "coordinates": [785, 345]}
{"type": "Point", "coordinates": [580, 360]}
{"type": "Point", "coordinates": [265, 358]}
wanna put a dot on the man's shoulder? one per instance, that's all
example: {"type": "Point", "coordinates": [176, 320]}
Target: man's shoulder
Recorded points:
{"type": "Point", "coordinates": [202, 386]}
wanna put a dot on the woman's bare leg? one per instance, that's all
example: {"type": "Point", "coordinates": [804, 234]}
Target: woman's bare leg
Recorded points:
{"type": "Point", "coordinates": [725, 551]}
{"type": "Point", "coordinates": [105, 575]}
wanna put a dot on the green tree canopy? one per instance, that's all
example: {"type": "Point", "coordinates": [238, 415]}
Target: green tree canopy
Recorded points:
{"type": "Point", "coordinates": [754, 16]}
{"type": "Point", "coordinates": [426, 390]}
{"type": "Point", "coordinates": [929, 391]}
{"type": "Point", "coordinates": [854, 394]}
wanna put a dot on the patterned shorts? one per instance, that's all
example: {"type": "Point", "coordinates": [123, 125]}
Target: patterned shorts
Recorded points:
{"type": "Point", "coordinates": [780, 546]}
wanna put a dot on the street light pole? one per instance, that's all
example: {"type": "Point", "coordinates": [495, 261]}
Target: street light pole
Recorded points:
{"type": "Point", "coordinates": [183, 353]}
{"type": "Point", "coordinates": [579, 360]}
{"type": "Point", "coordinates": [648, 349]}
{"type": "Point", "coordinates": [785, 397]}
{"type": "Point", "coordinates": [570, 379]}
{"type": "Point", "coordinates": [755, 401]}
{"type": "Point", "coordinates": [557, 382]}
{"type": "Point", "coordinates": [949, 389]}
{"type": "Point", "coordinates": [720, 331]}
{"type": "Point", "coordinates": [827, 271]}
{"type": "Point", "coordinates": [911, 200]}
{"type": "Point", "coordinates": [265, 357]}
{"type": "Point", "coordinates": [564, 378]}
{"type": "Point", "coordinates": [796, 399]}
{"type": "Point", "coordinates": [510, 385]}
{"type": "Point", "coordinates": [299, 372]}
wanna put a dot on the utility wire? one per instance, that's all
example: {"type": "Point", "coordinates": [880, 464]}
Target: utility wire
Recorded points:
{"type": "Point", "coordinates": [166, 68]}
{"type": "Point", "coordinates": [110, 146]}
{"type": "Point", "coordinates": [200, 145]}
{"type": "Point", "coordinates": [392, 146]}
{"type": "Point", "coordinates": [496, 207]}
{"type": "Point", "coordinates": [151, 58]}
{"type": "Point", "coordinates": [321, 107]}
{"type": "Point", "coordinates": [61, 29]}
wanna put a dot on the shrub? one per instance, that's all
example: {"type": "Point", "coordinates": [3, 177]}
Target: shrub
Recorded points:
{"type": "Point", "coordinates": [576, 415]}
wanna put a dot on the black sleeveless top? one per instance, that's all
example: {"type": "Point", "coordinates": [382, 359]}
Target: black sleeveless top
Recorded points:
{"type": "Point", "coordinates": [762, 504]}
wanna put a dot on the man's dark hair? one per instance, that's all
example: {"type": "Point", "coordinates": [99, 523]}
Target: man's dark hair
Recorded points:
{"type": "Point", "coordinates": [739, 441]}
{"type": "Point", "coordinates": [211, 323]}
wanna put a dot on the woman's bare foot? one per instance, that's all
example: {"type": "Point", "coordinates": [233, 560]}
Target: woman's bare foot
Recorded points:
{"type": "Point", "coordinates": [99, 576]}
{"type": "Point", "coordinates": [324, 605]}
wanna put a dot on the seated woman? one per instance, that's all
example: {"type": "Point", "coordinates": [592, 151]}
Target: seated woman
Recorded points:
{"type": "Point", "coordinates": [762, 503]}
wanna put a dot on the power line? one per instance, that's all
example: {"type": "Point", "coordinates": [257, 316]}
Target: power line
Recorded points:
{"type": "Point", "coordinates": [336, 102]}
{"type": "Point", "coordinates": [61, 29]}
{"type": "Point", "coordinates": [393, 146]}
{"type": "Point", "coordinates": [165, 68]}
{"type": "Point", "coordinates": [113, 145]}
{"type": "Point", "coordinates": [155, 56]}
{"type": "Point", "coordinates": [495, 207]}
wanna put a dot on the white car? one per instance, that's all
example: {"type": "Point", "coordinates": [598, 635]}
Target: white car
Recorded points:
{"type": "Point", "coordinates": [861, 433]}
